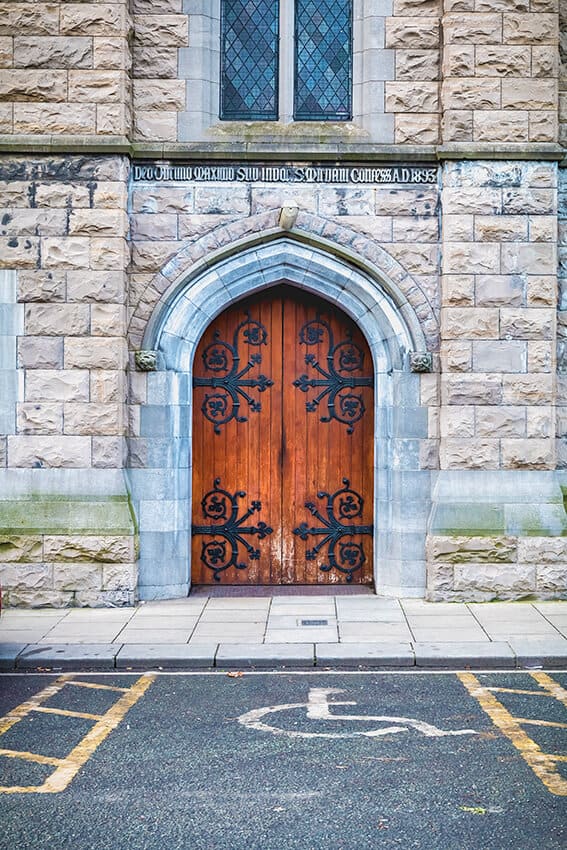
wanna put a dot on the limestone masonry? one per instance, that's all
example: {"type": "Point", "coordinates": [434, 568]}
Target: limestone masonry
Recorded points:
{"type": "Point", "coordinates": [131, 216]}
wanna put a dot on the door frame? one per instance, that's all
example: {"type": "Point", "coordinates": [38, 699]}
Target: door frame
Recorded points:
{"type": "Point", "coordinates": [161, 485]}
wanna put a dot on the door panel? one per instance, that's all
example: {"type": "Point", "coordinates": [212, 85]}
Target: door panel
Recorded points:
{"type": "Point", "coordinates": [282, 418]}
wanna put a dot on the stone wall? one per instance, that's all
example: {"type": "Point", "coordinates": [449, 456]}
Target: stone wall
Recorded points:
{"type": "Point", "coordinates": [64, 252]}
{"type": "Point", "coordinates": [64, 69]}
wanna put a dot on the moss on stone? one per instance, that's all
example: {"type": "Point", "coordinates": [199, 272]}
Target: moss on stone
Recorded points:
{"type": "Point", "coordinates": [64, 515]}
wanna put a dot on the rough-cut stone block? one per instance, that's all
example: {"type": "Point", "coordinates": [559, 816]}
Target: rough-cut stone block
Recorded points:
{"type": "Point", "coordinates": [56, 319]}
{"type": "Point", "coordinates": [108, 320]}
{"type": "Point", "coordinates": [456, 357]}
{"type": "Point", "coordinates": [19, 253]}
{"type": "Point", "coordinates": [537, 28]}
{"type": "Point", "coordinates": [522, 201]}
{"type": "Point", "coordinates": [27, 577]}
{"type": "Point", "coordinates": [41, 118]}
{"type": "Point", "coordinates": [499, 356]}
{"type": "Point", "coordinates": [35, 418]}
{"type": "Point", "coordinates": [96, 86]}
{"type": "Point", "coordinates": [469, 322]}
{"type": "Point", "coordinates": [40, 352]}
{"type": "Point", "coordinates": [29, 19]}
{"type": "Point", "coordinates": [527, 454]}
{"type": "Point", "coordinates": [468, 200]}
{"type": "Point", "coordinates": [108, 452]}
{"type": "Point", "coordinates": [527, 389]}
{"type": "Point", "coordinates": [107, 253]}
{"type": "Point", "coordinates": [472, 389]}
{"type": "Point", "coordinates": [52, 52]}
{"type": "Point", "coordinates": [472, 29]}
{"type": "Point", "coordinates": [457, 290]}
{"type": "Point", "coordinates": [502, 61]}
{"type": "Point", "coordinates": [417, 64]}
{"type": "Point", "coordinates": [159, 94]}
{"type": "Point", "coordinates": [500, 228]}
{"type": "Point", "coordinates": [57, 385]}
{"type": "Point", "coordinates": [464, 550]}
{"type": "Point", "coordinates": [540, 422]}
{"type": "Point", "coordinates": [94, 19]}
{"type": "Point", "coordinates": [160, 30]}
{"type": "Point", "coordinates": [543, 550]}
{"type": "Point", "coordinates": [500, 126]}
{"type": "Point", "coordinates": [458, 60]}
{"type": "Point", "coordinates": [504, 582]}
{"type": "Point", "coordinates": [88, 285]}
{"type": "Point", "coordinates": [20, 548]}
{"type": "Point", "coordinates": [412, 32]}
{"type": "Point", "coordinates": [540, 356]}
{"type": "Point", "coordinates": [47, 451]}
{"type": "Point", "coordinates": [94, 419]}
{"type": "Point", "coordinates": [503, 421]}
{"type": "Point", "coordinates": [34, 222]}
{"type": "Point", "coordinates": [105, 222]}
{"type": "Point", "coordinates": [119, 576]}
{"type": "Point", "coordinates": [85, 548]}
{"type": "Point", "coordinates": [543, 126]}
{"type": "Point", "coordinates": [529, 258]}
{"type": "Point", "coordinates": [412, 97]}
{"type": "Point", "coordinates": [155, 126]}
{"type": "Point", "coordinates": [21, 85]}
{"type": "Point", "coordinates": [77, 576]}
{"type": "Point", "coordinates": [457, 422]}
{"type": "Point", "coordinates": [471, 94]}
{"type": "Point", "coordinates": [107, 386]}
{"type": "Point", "coordinates": [545, 62]}
{"type": "Point", "coordinates": [152, 256]}
{"type": "Point", "coordinates": [111, 54]}
{"type": "Point", "coordinates": [527, 323]}
{"type": "Point", "coordinates": [529, 94]}
{"type": "Point", "coordinates": [91, 353]}
{"type": "Point", "coordinates": [552, 578]}
{"type": "Point", "coordinates": [154, 61]}
{"type": "Point", "coordinates": [418, 129]}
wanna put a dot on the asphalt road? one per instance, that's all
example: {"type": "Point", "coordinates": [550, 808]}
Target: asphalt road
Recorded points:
{"type": "Point", "coordinates": [181, 771]}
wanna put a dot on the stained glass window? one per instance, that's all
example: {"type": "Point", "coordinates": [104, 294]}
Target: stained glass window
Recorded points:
{"type": "Point", "coordinates": [249, 59]}
{"type": "Point", "coordinates": [323, 60]}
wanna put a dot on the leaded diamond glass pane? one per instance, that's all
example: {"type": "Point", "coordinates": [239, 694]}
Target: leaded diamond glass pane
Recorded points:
{"type": "Point", "coordinates": [323, 60]}
{"type": "Point", "coordinates": [249, 59]}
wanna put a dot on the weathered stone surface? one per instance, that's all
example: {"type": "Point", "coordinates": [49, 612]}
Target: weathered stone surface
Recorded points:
{"type": "Point", "coordinates": [527, 454]}
{"type": "Point", "coordinates": [29, 19]}
{"type": "Point", "coordinates": [49, 451]}
{"type": "Point", "coordinates": [119, 576]}
{"type": "Point", "coordinates": [156, 226]}
{"type": "Point", "coordinates": [476, 550]}
{"type": "Point", "coordinates": [457, 125]}
{"type": "Point", "coordinates": [152, 256]}
{"type": "Point", "coordinates": [108, 452]}
{"type": "Point", "coordinates": [529, 258]}
{"type": "Point", "coordinates": [107, 253]}
{"type": "Point", "coordinates": [527, 389]}
{"type": "Point", "coordinates": [526, 323]}
{"type": "Point", "coordinates": [40, 599]}
{"type": "Point", "coordinates": [107, 385]}
{"type": "Point", "coordinates": [502, 61]}
{"type": "Point", "coordinates": [540, 421]}
{"type": "Point", "coordinates": [20, 548]}
{"type": "Point", "coordinates": [458, 228]}
{"type": "Point", "coordinates": [552, 578]}
{"type": "Point", "coordinates": [530, 29]}
{"type": "Point", "coordinates": [530, 94]}
{"type": "Point", "coordinates": [86, 548]}
{"type": "Point", "coordinates": [154, 126]}
{"type": "Point", "coordinates": [57, 385]}
{"type": "Point", "coordinates": [471, 94]}
{"type": "Point", "coordinates": [40, 352]}
{"type": "Point", "coordinates": [412, 97]}
{"type": "Point", "coordinates": [500, 126]}
{"type": "Point", "coordinates": [542, 550]}
{"type": "Point", "coordinates": [111, 54]}
{"type": "Point", "coordinates": [56, 319]}
{"type": "Point", "coordinates": [406, 201]}
{"type": "Point", "coordinates": [469, 454]}
{"type": "Point", "coordinates": [93, 19]}
{"type": "Point", "coordinates": [34, 118]}
{"type": "Point", "coordinates": [472, 29]}
{"type": "Point", "coordinates": [502, 228]}
{"type": "Point", "coordinates": [154, 61]}
{"type": "Point", "coordinates": [159, 199]}
{"type": "Point", "coordinates": [543, 126]}
{"type": "Point", "coordinates": [545, 62]}
{"type": "Point", "coordinates": [19, 253]}
{"type": "Point", "coordinates": [93, 418]}
{"type": "Point", "coordinates": [494, 578]}
{"type": "Point", "coordinates": [35, 418]}
{"type": "Point", "coordinates": [26, 577]}
{"type": "Point", "coordinates": [160, 30]}
{"type": "Point", "coordinates": [411, 32]}
{"type": "Point", "coordinates": [95, 353]}
{"type": "Point", "coordinates": [469, 323]}
{"type": "Point", "coordinates": [440, 577]}
{"type": "Point", "coordinates": [500, 290]}
{"type": "Point", "coordinates": [540, 356]}
{"type": "Point", "coordinates": [499, 356]}
{"type": "Point", "coordinates": [97, 222]}
{"type": "Point", "coordinates": [96, 86]}
{"type": "Point", "coordinates": [108, 320]}
{"type": "Point", "coordinates": [419, 129]}
{"type": "Point", "coordinates": [41, 285]}
{"type": "Point", "coordinates": [417, 64]}
{"type": "Point", "coordinates": [458, 60]}
{"type": "Point", "coordinates": [89, 285]}
{"type": "Point", "coordinates": [33, 222]}
{"type": "Point", "coordinates": [52, 52]}
{"type": "Point", "coordinates": [472, 389]}
{"type": "Point", "coordinates": [6, 52]}
{"type": "Point", "coordinates": [159, 94]}
{"type": "Point", "coordinates": [22, 85]}
{"type": "Point", "coordinates": [457, 422]}
{"type": "Point", "coordinates": [456, 356]}
{"type": "Point", "coordinates": [503, 421]}
{"type": "Point", "coordinates": [83, 577]}
{"type": "Point", "coordinates": [522, 201]}
{"type": "Point", "coordinates": [467, 199]}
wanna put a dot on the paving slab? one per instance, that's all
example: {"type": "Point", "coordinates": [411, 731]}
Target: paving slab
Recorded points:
{"type": "Point", "coordinates": [94, 656]}
{"type": "Point", "coordinates": [535, 652]}
{"type": "Point", "coordinates": [494, 654]}
{"type": "Point", "coordinates": [265, 655]}
{"type": "Point", "coordinates": [365, 654]}
{"type": "Point", "coordinates": [8, 654]}
{"type": "Point", "coordinates": [302, 635]}
{"type": "Point", "coordinates": [148, 636]}
{"type": "Point", "coordinates": [22, 635]}
{"type": "Point", "coordinates": [178, 656]}
{"type": "Point", "coordinates": [448, 636]}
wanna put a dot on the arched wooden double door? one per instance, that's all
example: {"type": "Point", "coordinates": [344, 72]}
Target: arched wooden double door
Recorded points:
{"type": "Point", "coordinates": [283, 442]}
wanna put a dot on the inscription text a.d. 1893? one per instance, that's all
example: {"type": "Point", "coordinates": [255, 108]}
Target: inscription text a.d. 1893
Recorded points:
{"type": "Point", "coordinates": [163, 172]}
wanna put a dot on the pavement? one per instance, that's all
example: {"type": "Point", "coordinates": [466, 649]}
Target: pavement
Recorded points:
{"type": "Point", "coordinates": [202, 632]}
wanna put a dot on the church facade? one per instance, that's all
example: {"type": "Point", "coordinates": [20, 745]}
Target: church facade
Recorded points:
{"type": "Point", "coordinates": [283, 298]}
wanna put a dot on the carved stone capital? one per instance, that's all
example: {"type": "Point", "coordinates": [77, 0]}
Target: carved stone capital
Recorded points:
{"type": "Point", "coordinates": [420, 361]}
{"type": "Point", "coordinates": [146, 360]}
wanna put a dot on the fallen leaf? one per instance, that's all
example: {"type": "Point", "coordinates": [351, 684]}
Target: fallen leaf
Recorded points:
{"type": "Point", "coordinates": [474, 810]}
{"type": "Point", "coordinates": [236, 674]}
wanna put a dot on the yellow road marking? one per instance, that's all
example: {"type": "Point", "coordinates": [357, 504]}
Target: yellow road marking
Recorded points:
{"type": "Point", "coordinates": [532, 722]}
{"type": "Point", "coordinates": [20, 754]}
{"type": "Point", "coordinates": [551, 686]}
{"type": "Point", "coordinates": [68, 767]}
{"type": "Point", "coordinates": [517, 691]}
{"type": "Point", "coordinates": [68, 713]}
{"type": "Point", "coordinates": [542, 764]}
{"type": "Point", "coordinates": [97, 687]}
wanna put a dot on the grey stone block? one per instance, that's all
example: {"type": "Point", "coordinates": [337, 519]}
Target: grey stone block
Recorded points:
{"type": "Point", "coordinates": [8, 654]}
{"type": "Point", "coordinates": [364, 654]}
{"type": "Point", "coordinates": [84, 656]}
{"type": "Point", "coordinates": [539, 652]}
{"type": "Point", "coordinates": [169, 656]}
{"type": "Point", "coordinates": [265, 655]}
{"type": "Point", "coordinates": [458, 655]}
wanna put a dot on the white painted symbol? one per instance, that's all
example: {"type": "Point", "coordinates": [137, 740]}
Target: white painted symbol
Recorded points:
{"type": "Point", "coordinates": [319, 708]}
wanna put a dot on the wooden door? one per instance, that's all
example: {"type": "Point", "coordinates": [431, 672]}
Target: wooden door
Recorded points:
{"type": "Point", "coordinates": [283, 436]}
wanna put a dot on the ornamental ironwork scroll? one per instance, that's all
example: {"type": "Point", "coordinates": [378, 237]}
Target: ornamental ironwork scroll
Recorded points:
{"type": "Point", "coordinates": [227, 530]}
{"type": "Point", "coordinates": [337, 383]}
{"type": "Point", "coordinates": [344, 505]}
{"type": "Point", "coordinates": [228, 380]}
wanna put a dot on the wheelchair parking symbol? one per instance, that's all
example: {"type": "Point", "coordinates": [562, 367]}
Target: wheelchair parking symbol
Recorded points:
{"type": "Point", "coordinates": [318, 708]}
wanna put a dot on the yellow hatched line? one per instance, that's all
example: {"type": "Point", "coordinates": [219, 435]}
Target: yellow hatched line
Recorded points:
{"type": "Point", "coordinates": [68, 713]}
{"type": "Point", "coordinates": [97, 687]}
{"type": "Point", "coordinates": [552, 687]}
{"type": "Point", "coordinates": [542, 764]}
{"type": "Point", "coordinates": [21, 754]}
{"type": "Point", "coordinates": [68, 767]}
{"type": "Point", "coordinates": [21, 711]}
{"type": "Point", "coordinates": [517, 691]}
